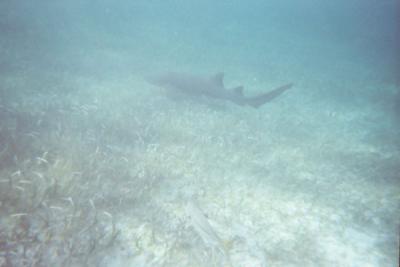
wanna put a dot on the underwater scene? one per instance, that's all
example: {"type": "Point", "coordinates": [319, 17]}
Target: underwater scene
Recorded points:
{"type": "Point", "coordinates": [185, 133]}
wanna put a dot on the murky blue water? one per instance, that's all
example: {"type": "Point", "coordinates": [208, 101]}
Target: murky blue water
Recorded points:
{"type": "Point", "coordinates": [99, 167]}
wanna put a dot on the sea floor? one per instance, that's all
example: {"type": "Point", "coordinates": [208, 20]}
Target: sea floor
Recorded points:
{"type": "Point", "coordinates": [111, 172]}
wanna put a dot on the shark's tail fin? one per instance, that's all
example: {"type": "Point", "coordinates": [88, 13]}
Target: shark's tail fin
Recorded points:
{"type": "Point", "coordinates": [260, 100]}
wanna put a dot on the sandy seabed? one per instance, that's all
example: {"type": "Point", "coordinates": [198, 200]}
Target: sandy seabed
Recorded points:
{"type": "Point", "coordinates": [114, 173]}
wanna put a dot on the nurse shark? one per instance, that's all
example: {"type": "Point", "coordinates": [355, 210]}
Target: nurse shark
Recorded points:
{"type": "Point", "coordinates": [213, 87]}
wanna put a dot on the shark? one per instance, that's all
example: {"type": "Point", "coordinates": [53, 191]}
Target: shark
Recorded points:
{"type": "Point", "coordinates": [213, 87]}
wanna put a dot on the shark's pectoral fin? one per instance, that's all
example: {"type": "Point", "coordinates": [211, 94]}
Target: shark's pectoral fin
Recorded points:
{"type": "Point", "coordinates": [218, 79]}
{"type": "Point", "coordinates": [260, 100]}
{"type": "Point", "coordinates": [238, 90]}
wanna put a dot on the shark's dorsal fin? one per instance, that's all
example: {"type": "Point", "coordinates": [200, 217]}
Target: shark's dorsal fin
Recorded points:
{"type": "Point", "coordinates": [238, 90]}
{"type": "Point", "coordinates": [218, 79]}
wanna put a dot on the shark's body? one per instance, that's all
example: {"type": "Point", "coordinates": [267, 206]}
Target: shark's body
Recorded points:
{"type": "Point", "coordinates": [213, 87]}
